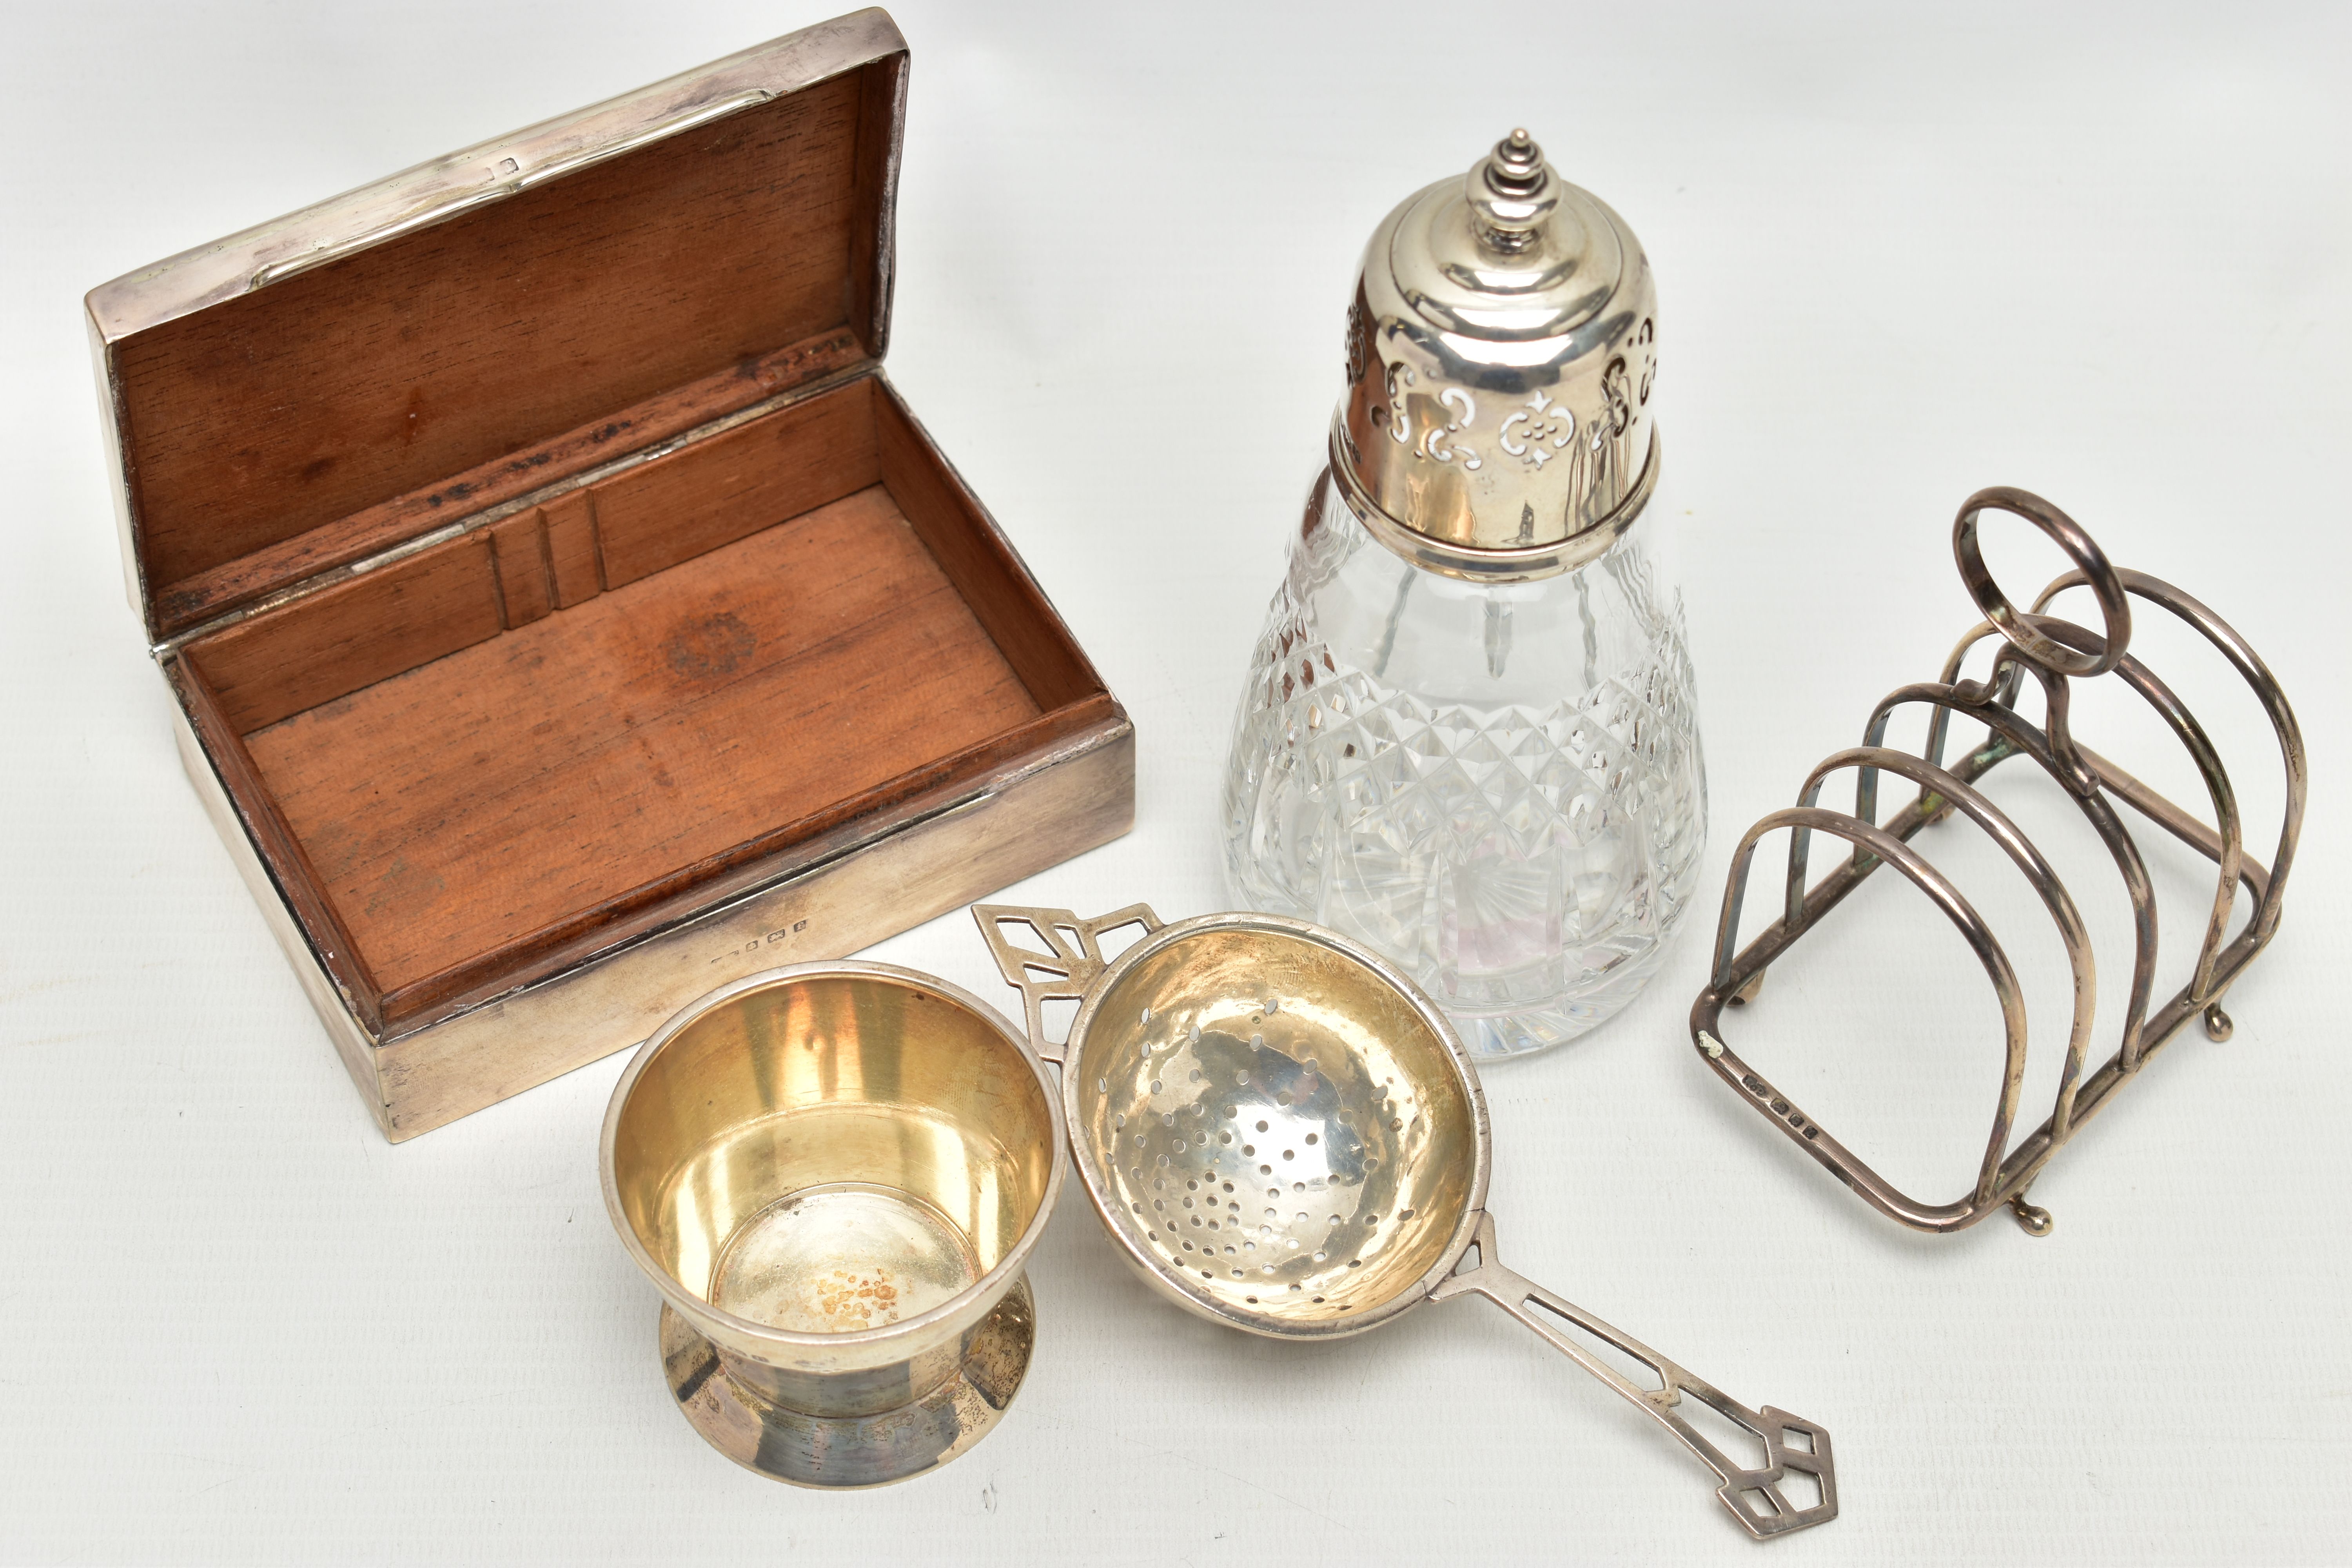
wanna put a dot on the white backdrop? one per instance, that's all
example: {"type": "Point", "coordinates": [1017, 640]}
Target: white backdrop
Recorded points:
{"type": "Point", "coordinates": [1901, 253]}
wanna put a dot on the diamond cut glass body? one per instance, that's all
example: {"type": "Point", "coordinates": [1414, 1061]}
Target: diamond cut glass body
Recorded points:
{"type": "Point", "coordinates": [1500, 786]}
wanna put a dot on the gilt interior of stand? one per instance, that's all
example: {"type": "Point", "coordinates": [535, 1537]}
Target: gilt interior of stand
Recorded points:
{"type": "Point", "coordinates": [648, 680]}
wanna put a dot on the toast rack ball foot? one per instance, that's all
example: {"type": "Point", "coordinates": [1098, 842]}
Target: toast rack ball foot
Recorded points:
{"type": "Point", "coordinates": [837, 1452]}
{"type": "Point", "coordinates": [2218, 1025]}
{"type": "Point", "coordinates": [2031, 1220]}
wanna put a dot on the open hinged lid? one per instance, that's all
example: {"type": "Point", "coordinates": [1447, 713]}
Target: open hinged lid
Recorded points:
{"type": "Point", "coordinates": [288, 404]}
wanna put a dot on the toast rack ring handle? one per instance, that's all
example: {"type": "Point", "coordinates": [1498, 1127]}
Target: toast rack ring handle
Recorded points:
{"type": "Point", "coordinates": [1789, 1445]}
{"type": "Point", "coordinates": [1065, 972]}
{"type": "Point", "coordinates": [2022, 629]}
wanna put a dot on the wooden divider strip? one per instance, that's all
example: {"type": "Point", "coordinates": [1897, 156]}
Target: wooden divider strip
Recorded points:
{"type": "Point", "coordinates": [574, 566]}
{"type": "Point", "coordinates": [519, 546]}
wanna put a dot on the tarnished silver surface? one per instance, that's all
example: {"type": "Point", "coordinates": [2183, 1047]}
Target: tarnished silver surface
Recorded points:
{"type": "Point", "coordinates": [2056, 652]}
{"type": "Point", "coordinates": [1500, 352]}
{"type": "Point", "coordinates": [1284, 1135]}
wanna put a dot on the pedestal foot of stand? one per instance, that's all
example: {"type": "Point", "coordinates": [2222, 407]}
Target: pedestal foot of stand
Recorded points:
{"type": "Point", "coordinates": [853, 1451]}
{"type": "Point", "coordinates": [2031, 1220]}
{"type": "Point", "coordinates": [2217, 1023]}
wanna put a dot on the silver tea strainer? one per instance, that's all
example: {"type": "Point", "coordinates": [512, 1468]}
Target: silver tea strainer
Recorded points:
{"type": "Point", "coordinates": [1286, 1136]}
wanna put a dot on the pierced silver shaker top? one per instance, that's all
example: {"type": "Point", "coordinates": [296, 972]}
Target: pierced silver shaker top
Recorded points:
{"type": "Point", "coordinates": [1501, 347]}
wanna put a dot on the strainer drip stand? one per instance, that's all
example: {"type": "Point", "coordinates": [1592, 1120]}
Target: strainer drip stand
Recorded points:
{"type": "Point", "coordinates": [1284, 1135]}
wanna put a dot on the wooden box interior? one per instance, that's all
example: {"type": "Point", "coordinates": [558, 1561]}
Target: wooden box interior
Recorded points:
{"type": "Point", "coordinates": [723, 604]}
{"type": "Point", "coordinates": [468, 763]}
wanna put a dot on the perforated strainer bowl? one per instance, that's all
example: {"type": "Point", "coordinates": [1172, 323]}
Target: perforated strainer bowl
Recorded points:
{"type": "Point", "coordinates": [1284, 1135]}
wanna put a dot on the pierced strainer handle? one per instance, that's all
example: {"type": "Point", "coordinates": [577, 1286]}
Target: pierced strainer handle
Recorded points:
{"type": "Point", "coordinates": [1064, 975]}
{"type": "Point", "coordinates": [1771, 1512]}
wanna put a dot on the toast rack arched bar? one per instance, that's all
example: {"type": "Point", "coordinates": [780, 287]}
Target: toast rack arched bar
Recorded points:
{"type": "Point", "coordinates": [2056, 653]}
